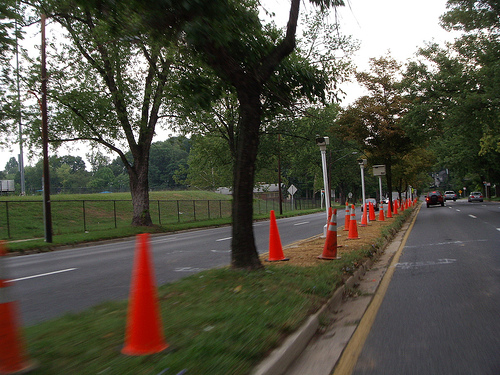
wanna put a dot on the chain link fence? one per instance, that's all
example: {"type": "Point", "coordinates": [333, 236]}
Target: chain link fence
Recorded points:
{"type": "Point", "coordinates": [25, 219]}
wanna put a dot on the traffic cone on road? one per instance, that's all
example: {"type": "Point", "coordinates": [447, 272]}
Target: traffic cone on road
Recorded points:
{"type": "Point", "coordinates": [381, 213]}
{"type": "Point", "coordinates": [13, 358]}
{"type": "Point", "coordinates": [395, 204]}
{"type": "Point", "coordinates": [144, 330]}
{"type": "Point", "coordinates": [389, 210]}
{"type": "Point", "coordinates": [372, 212]}
{"type": "Point", "coordinates": [330, 248]}
{"type": "Point", "coordinates": [275, 248]}
{"type": "Point", "coordinates": [364, 218]}
{"type": "Point", "coordinates": [347, 217]}
{"type": "Point", "coordinates": [353, 226]}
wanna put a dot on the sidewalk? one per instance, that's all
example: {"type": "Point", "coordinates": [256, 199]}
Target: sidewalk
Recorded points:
{"type": "Point", "coordinates": [317, 346]}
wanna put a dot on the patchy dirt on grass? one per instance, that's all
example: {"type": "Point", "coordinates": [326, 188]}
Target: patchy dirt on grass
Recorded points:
{"type": "Point", "coordinates": [306, 252]}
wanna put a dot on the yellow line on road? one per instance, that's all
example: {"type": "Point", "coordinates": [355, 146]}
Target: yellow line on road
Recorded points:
{"type": "Point", "coordinates": [351, 353]}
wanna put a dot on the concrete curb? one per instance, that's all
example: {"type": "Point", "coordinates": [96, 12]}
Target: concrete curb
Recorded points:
{"type": "Point", "coordinates": [281, 358]}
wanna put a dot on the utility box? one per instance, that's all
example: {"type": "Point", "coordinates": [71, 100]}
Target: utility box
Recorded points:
{"type": "Point", "coordinates": [7, 186]}
{"type": "Point", "coordinates": [379, 170]}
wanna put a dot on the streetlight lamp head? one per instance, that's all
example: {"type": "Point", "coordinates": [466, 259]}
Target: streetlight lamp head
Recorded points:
{"type": "Point", "coordinates": [322, 141]}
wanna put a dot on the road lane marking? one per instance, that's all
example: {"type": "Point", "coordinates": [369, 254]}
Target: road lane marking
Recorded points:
{"type": "Point", "coordinates": [220, 251]}
{"type": "Point", "coordinates": [413, 265]}
{"type": "Point", "coordinates": [302, 223]}
{"type": "Point", "coordinates": [42, 275]}
{"type": "Point", "coordinates": [461, 243]}
{"type": "Point", "coordinates": [472, 216]}
{"type": "Point", "coordinates": [188, 269]}
{"type": "Point", "coordinates": [223, 239]}
{"type": "Point", "coordinates": [498, 229]}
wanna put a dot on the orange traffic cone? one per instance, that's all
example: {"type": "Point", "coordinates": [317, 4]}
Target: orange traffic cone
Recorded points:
{"type": "Point", "coordinates": [347, 216]}
{"type": "Point", "coordinates": [144, 329]}
{"type": "Point", "coordinates": [13, 359]}
{"type": "Point", "coordinates": [389, 211]}
{"type": "Point", "coordinates": [372, 212]}
{"type": "Point", "coordinates": [353, 226]}
{"type": "Point", "coordinates": [275, 248]}
{"type": "Point", "coordinates": [330, 248]}
{"type": "Point", "coordinates": [395, 203]}
{"type": "Point", "coordinates": [381, 213]}
{"type": "Point", "coordinates": [403, 206]}
{"type": "Point", "coordinates": [364, 218]}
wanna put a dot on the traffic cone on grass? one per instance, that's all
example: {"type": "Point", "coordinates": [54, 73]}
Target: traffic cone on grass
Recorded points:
{"type": "Point", "coordinates": [389, 210]}
{"type": "Point", "coordinates": [381, 213]}
{"type": "Point", "coordinates": [353, 226]}
{"type": "Point", "coordinates": [13, 358]}
{"type": "Point", "coordinates": [347, 217]}
{"type": "Point", "coordinates": [275, 248]}
{"type": "Point", "coordinates": [330, 248]}
{"type": "Point", "coordinates": [372, 212]}
{"type": "Point", "coordinates": [364, 218]}
{"type": "Point", "coordinates": [144, 330]}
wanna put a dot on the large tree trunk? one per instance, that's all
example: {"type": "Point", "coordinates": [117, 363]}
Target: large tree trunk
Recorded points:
{"type": "Point", "coordinates": [139, 189]}
{"type": "Point", "coordinates": [244, 252]}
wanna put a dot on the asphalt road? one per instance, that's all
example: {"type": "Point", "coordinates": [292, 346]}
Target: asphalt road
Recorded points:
{"type": "Point", "coordinates": [48, 285]}
{"type": "Point", "coordinates": [441, 312]}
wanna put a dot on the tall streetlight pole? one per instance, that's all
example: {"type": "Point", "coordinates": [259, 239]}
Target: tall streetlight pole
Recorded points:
{"type": "Point", "coordinates": [21, 158]}
{"type": "Point", "coordinates": [322, 142]}
{"type": "Point", "coordinates": [362, 163]}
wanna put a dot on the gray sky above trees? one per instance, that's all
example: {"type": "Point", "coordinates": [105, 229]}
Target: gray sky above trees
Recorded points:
{"type": "Point", "coordinates": [400, 26]}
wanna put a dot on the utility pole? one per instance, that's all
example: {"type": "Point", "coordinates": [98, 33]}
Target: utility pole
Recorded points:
{"type": "Point", "coordinates": [45, 141]}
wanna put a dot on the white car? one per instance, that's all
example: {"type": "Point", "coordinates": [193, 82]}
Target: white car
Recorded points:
{"type": "Point", "coordinates": [372, 201]}
{"type": "Point", "coordinates": [450, 195]}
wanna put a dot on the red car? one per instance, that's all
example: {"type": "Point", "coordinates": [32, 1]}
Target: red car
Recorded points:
{"type": "Point", "coordinates": [434, 198]}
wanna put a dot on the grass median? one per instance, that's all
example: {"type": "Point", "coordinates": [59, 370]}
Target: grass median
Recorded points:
{"type": "Point", "coordinates": [219, 321]}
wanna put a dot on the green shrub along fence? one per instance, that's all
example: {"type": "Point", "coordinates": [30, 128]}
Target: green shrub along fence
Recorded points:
{"type": "Point", "coordinates": [24, 219]}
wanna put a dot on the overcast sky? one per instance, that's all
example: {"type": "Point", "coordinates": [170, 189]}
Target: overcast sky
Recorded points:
{"type": "Point", "coordinates": [400, 26]}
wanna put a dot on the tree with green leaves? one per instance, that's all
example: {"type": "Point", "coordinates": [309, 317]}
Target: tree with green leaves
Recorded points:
{"type": "Point", "coordinates": [10, 33]}
{"type": "Point", "coordinates": [374, 120]}
{"type": "Point", "coordinates": [109, 86]}
{"type": "Point", "coordinates": [456, 93]}
{"type": "Point", "coordinates": [245, 57]}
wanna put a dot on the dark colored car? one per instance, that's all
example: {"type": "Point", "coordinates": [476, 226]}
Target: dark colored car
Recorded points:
{"type": "Point", "coordinates": [476, 196]}
{"type": "Point", "coordinates": [434, 198]}
{"type": "Point", "coordinates": [449, 195]}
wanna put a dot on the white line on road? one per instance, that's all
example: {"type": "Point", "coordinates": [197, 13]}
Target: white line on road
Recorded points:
{"type": "Point", "coordinates": [498, 229]}
{"type": "Point", "coordinates": [223, 239]}
{"type": "Point", "coordinates": [472, 216]}
{"type": "Point", "coordinates": [42, 275]}
{"type": "Point", "coordinates": [302, 223]}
